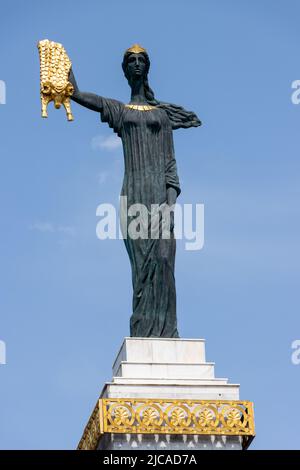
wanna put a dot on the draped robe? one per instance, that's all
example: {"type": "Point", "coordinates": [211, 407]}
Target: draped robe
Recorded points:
{"type": "Point", "coordinates": [150, 168]}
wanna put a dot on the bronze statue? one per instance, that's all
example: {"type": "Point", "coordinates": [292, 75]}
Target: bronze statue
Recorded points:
{"type": "Point", "coordinates": [145, 126]}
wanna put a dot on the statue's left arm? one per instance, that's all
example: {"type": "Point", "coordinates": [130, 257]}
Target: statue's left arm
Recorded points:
{"type": "Point", "coordinates": [178, 118]}
{"type": "Point", "coordinates": [171, 176]}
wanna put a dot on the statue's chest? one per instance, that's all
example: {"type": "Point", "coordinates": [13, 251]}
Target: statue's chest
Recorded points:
{"type": "Point", "coordinates": [143, 120]}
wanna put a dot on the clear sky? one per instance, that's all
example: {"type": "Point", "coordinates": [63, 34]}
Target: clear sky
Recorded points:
{"type": "Point", "coordinates": [66, 296]}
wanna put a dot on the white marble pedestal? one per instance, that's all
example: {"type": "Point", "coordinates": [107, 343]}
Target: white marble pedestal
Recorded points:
{"type": "Point", "coordinates": [165, 396]}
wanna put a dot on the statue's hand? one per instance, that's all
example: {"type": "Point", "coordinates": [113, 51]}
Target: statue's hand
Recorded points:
{"type": "Point", "coordinates": [171, 221]}
{"type": "Point", "coordinates": [171, 200]}
{"type": "Point", "coordinates": [72, 80]}
{"type": "Point", "coordinates": [71, 76]}
{"type": "Point", "coordinates": [171, 196]}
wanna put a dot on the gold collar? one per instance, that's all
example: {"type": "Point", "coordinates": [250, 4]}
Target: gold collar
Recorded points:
{"type": "Point", "coordinates": [140, 107]}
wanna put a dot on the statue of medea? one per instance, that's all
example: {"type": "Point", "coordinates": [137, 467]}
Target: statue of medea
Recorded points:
{"type": "Point", "coordinates": [145, 126]}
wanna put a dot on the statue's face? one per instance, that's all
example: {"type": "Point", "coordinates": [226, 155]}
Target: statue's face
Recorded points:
{"type": "Point", "coordinates": [136, 66]}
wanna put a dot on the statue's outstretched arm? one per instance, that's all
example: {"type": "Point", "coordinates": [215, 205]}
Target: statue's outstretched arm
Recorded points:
{"type": "Point", "coordinates": [88, 100]}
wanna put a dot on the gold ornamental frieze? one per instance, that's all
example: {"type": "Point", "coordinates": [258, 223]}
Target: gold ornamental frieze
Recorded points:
{"type": "Point", "coordinates": [158, 416]}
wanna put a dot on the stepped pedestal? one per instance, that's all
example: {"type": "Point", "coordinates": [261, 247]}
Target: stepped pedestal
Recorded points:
{"type": "Point", "coordinates": [165, 396]}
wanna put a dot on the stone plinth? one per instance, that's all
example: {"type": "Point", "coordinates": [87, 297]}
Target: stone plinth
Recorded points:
{"type": "Point", "coordinates": [166, 368]}
{"type": "Point", "coordinates": [164, 395]}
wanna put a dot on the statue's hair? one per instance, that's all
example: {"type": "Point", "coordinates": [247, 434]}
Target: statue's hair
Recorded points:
{"type": "Point", "coordinates": [179, 116]}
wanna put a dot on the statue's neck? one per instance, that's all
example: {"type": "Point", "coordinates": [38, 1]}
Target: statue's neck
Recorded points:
{"type": "Point", "coordinates": [138, 92]}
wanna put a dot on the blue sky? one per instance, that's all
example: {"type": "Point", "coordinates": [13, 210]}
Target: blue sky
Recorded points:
{"type": "Point", "coordinates": [65, 295]}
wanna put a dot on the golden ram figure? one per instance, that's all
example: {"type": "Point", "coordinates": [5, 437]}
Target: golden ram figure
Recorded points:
{"type": "Point", "coordinates": [55, 66]}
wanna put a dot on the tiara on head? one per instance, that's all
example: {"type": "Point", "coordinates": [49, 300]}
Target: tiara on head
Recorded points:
{"type": "Point", "coordinates": [136, 49]}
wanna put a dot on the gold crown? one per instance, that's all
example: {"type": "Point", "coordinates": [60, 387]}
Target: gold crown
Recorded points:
{"type": "Point", "coordinates": [136, 49]}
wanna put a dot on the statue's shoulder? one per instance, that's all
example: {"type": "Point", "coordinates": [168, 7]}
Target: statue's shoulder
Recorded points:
{"type": "Point", "coordinates": [180, 117]}
{"type": "Point", "coordinates": [112, 102]}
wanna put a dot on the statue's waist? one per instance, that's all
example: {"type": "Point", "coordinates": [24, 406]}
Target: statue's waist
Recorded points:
{"type": "Point", "coordinates": [143, 172]}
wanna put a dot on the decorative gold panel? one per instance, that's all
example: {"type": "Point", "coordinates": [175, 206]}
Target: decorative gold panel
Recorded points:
{"type": "Point", "coordinates": [93, 430]}
{"type": "Point", "coordinates": [157, 416]}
